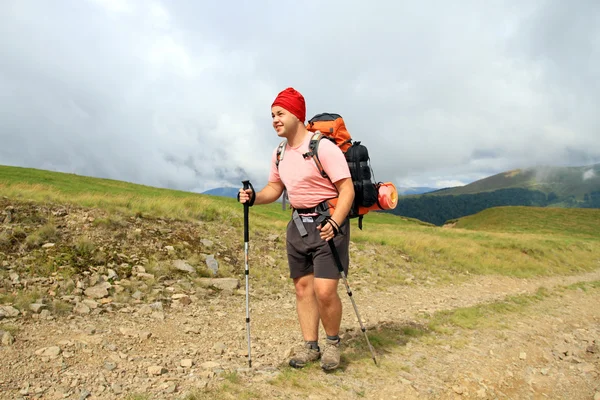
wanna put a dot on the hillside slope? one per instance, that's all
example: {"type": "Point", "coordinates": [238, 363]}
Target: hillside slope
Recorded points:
{"type": "Point", "coordinates": [562, 181]}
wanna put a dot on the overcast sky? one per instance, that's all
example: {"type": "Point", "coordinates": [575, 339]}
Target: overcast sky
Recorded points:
{"type": "Point", "coordinates": [177, 93]}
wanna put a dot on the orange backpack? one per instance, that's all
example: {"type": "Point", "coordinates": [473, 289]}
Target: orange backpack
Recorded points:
{"type": "Point", "coordinates": [368, 195]}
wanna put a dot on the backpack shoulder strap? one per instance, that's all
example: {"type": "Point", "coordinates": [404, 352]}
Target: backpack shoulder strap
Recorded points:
{"type": "Point", "coordinates": [280, 152]}
{"type": "Point", "coordinates": [313, 147]}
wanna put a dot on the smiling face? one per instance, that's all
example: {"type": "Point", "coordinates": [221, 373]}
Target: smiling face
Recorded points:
{"type": "Point", "coordinates": [284, 122]}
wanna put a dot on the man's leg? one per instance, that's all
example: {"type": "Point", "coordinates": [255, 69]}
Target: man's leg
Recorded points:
{"type": "Point", "coordinates": [330, 304]}
{"type": "Point", "coordinates": [307, 307]}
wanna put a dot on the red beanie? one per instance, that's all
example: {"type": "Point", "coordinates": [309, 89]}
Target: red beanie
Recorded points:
{"type": "Point", "coordinates": [293, 101]}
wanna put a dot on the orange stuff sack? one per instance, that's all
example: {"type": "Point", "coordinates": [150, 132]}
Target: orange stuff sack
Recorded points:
{"type": "Point", "coordinates": [333, 127]}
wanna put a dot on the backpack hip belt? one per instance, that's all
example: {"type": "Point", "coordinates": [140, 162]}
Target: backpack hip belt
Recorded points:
{"type": "Point", "coordinates": [322, 209]}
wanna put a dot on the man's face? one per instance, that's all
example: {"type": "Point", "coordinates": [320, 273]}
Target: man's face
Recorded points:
{"type": "Point", "coordinates": [284, 122]}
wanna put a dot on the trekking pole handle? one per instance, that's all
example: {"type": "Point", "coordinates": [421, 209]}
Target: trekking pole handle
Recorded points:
{"type": "Point", "coordinates": [247, 185]}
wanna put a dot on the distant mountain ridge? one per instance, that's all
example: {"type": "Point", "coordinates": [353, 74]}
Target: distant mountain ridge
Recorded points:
{"type": "Point", "coordinates": [405, 191]}
{"type": "Point", "coordinates": [223, 192]}
{"type": "Point", "coordinates": [562, 181]}
{"type": "Point", "coordinates": [573, 187]}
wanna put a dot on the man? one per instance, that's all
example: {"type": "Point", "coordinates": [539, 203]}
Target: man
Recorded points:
{"type": "Point", "coordinates": [311, 263]}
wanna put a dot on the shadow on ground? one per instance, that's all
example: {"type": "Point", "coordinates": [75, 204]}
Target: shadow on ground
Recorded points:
{"type": "Point", "coordinates": [384, 337]}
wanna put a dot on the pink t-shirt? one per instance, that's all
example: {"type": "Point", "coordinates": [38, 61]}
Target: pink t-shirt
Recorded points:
{"type": "Point", "coordinates": [305, 185]}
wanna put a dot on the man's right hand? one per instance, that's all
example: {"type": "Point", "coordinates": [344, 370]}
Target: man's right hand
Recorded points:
{"type": "Point", "coordinates": [245, 195]}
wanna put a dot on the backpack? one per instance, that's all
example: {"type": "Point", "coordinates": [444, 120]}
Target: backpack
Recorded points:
{"type": "Point", "coordinates": [366, 192]}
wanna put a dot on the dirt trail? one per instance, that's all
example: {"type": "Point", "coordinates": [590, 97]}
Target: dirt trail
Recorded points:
{"type": "Point", "coordinates": [137, 349]}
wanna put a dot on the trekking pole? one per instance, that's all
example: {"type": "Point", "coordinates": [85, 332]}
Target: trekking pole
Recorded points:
{"type": "Point", "coordinates": [338, 262]}
{"type": "Point", "coordinates": [247, 185]}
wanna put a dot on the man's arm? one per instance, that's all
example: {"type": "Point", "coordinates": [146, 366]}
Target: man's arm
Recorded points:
{"type": "Point", "coordinates": [268, 194]}
{"type": "Point", "coordinates": [345, 189]}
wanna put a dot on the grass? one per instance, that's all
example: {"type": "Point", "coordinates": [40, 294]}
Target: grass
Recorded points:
{"type": "Point", "coordinates": [572, 222]}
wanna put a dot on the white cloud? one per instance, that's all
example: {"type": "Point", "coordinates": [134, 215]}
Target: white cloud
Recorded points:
{"type": "Point", "coordinates": [589, 174]}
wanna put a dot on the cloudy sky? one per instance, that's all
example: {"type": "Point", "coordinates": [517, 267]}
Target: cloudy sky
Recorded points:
{"type": "Point", "coordinates": [177, 93]}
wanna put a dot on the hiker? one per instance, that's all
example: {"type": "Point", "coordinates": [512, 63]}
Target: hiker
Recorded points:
{"type": "Point", "coordinates": [311, 263]}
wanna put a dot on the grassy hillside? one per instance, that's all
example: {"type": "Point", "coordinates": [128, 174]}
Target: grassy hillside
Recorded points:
{"type": "Point", "coordinates": [572, 222]}
{"type": "Point", "coordinates": [389, 250]}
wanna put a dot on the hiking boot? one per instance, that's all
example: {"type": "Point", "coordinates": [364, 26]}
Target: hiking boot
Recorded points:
{"type": "Point", "coordinates": [330, 359]}
{"type": "Point", "coordinates": [304, 354]}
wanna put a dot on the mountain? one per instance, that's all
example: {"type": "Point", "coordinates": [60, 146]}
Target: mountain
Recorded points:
{"type": "Point", "coordinates": [405, 191]}
{"type": "Point", "coordinates": [223, 192]}
{"type": "Point", "coordinates": [574, 187]}
{"type": "Point", "coordinates": [564, 182]}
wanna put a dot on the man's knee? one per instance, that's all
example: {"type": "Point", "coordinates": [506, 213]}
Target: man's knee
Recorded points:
{"type": "Point", "coordinates": [304, 287]}
{"type": "Point", "coordinates": [326, 291]}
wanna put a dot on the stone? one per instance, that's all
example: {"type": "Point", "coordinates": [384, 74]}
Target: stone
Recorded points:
{"type": "Point", "coordinates": [37, 307]}
{"type": "Point", "coordinates": [156, 370]}
{"type": "Point", "coordinates": [187, 363]}
{"type": "Point", "coordinates": [98, 291]}
{"type": "Point", "coordinates": [52, 351]}
{"type": "Point", "coordinates": [182, 265]}
{"type": "Point", "coordinates": [8, 311]}
{"type": "Point", "coordinates": [182, 298]}
{"type": "Point", "coordinates": [212, 264]}
{"type": "Point", "coordinates": [6, 338]}
{"type": "Point", "coordinates": [210, 365]}
{"type": "Point", "coordinates": [221, 283]}
{"type": "Point", "coordinates": [81, 309]}
{"type": "Point", "coordinates": [108, 365]}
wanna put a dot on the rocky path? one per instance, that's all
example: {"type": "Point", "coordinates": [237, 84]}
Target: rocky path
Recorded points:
{"type": "Point", "coordinates": [111, 350]}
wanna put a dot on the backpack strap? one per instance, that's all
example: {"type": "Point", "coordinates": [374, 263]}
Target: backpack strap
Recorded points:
{"type": "Point", "coordinates": [313, 147]}
{"type": "Point", "coordinates": [280, 152]}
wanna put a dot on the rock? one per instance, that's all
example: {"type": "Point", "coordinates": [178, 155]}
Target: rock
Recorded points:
{"type": "Point", "coordinates": [47, 245]}
{"type": "Point", "coordinates": [108, 365]}
{"type": "Point", "coordinates": [37, 307]}
{"type": "Point", "coordinates": [219, 348]}
{"type": "Point", "coordinates": [210, 365]}
{"type": "Point", "coordinates": [522, 355]}
{"type": "Point", "coordinates": [116, 388]}
{"type": "Point", "coordinates": [135, 333]}
{"type": "Point", "coordinates": [207, 243]}
{"type": "Point", "coordinates": [112, 275]}
{"type": "Point", "coordinates": [182, 298]}
{"type": "Point", "coordinates": [212, 264]}
{"type": "Point", "coordinates": [187, 363]}
{"type": "Point", "coordinates": [182, 265]}
{"type": "Point", "coordinates": [6, 338]}
{"type": "Point", "coordinates": [221, 283]}
{"type": "Point", "coordinates": [170, 249]}
{"type": "Point", "coordinates": [145, 310]}
{"type": "Point", "coordinates": [90, 303]}
{"type": "Point", "coordinates": [8, 311]}
{"type": "Point", "coordinates": [98, 291]}
{"type": "Point", "coordinates": [459, 389]}
{"type": "Point", "coordinates": [481, 393]}
{"type": "Point", "coordinates": [52, 351]}
{"type": "Point", "coordinates": [593, 348]}
{"type": "Point", "coordinates": [137, 295]}
{"type": "Point", "coordinates": [156, 370]}
{"type": "Point", "coordinates": [81, 309]}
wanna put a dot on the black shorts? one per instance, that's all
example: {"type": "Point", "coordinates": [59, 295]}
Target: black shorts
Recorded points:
{"type": "Point", "coordinates": [311, 254]}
